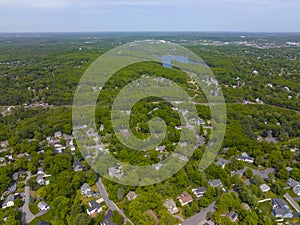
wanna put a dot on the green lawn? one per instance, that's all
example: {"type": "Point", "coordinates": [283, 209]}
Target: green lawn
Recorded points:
{"type": "Point", "coordinates": [270, 194]}
{"type": "Point", "coordinates": [265, 207]}
{"type": "Point", "coordinates": [33, 208]}
{"type": "Point", "coordinates": [47, 217]}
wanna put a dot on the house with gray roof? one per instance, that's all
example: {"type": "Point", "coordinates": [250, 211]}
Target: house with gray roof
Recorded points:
{"type": "Point", "coordinates": [279, 203]}
{"type": "Point", "coordinates": [216, 183]}
{"type": "Point", "coordinates": [199, 192]}
{"type": "Point", "coordinates": [10, 201]}
{"type": "Point", "coordinates": [86, 190]}
{"type": "Point", "coordinates": [282, 213]}
{"type": "Point", "coordinates": [94, 209]}
{"type": "Point", "coordinates": [77, 166]}
{"type": "Point", "coordinates": [115, 172]}
{"type": "Point", "coordinates": [292, 183]}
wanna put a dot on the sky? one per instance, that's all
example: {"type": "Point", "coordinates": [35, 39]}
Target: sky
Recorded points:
{"type": "Point", "coordinates": [149, 15]}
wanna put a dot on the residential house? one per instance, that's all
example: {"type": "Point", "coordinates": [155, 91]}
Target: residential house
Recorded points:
{"type": "Point", "coordinates": [72, 148]}
{"type": "Point", "coordinates": [295, 185]}
{"type": "Point", "coordinates": [86, 190]}
{"type": "Point", "coordinates": [40, 171]}
{"type": "Point", "coordinates": [131, 195]}
{"type": "Point", "coordinates": [58, 134]}
{"type": "Point", "coordinates": [43, 206]}
{"type": "Point", "coordinates": [12, 188]}
{"type": "Point", "coordinates": [297, 190]}
{"type": "Point", "coordinates": [222, 162]}
{"type": "Point", "coordinates": [199, 192]}
{"type": "Point", "coordinates": [107, 218]}
{"type": "Point", "coordinates": [263, 174]}
{"type": "Point", "coordinates": [4, 144]}
{"type": "Point", "coordinates": [292, 183]}
{"type": "Point", "coordinates": [282, 213]}
{"type": "Point", "coordinates": [59, 149]}
{"type": "Point", "coordinates": [171, 206]}
{"type": "Point", "coordinates": [40, 180]}
{"type": "Point", "coordinates": [233, 216]}
{"type": "Point", "coordinates": [185, 198]}
{"type": "Point", "coordinates": [10, 201]}
{"type": "Point", "coordinates": [160, 148]}
{"type": "Point", "coordinates": [9, 158]}
{"type": "Point", "coordinates": [279, 203]}
{"type": "Point", "coordinates": [77, 166]}
{"type": "Point", "coordinates": [94, 209]}
{"type": "Point", "coordinates": [15, 176]}
{"type": "Point", "coordinates": [2, 160]}
{"type": "Point", "coordinates": [281, 208]}
{"type": "Point", "coordinates": [216, 183]}
{"type": "Point", "coordinates": [115, 172]}
{"type": "Point", "coordinates": [245, 159]}
{"type": "Point", "coordinates": [264, 188]}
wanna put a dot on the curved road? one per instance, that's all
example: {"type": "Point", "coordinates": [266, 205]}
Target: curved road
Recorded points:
{"type": "Point", "coordinates": [110, 204]}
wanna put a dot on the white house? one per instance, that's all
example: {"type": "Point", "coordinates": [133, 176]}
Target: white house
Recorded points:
{"type": "Point", "coordinates": [199, 192]}
{"type": "Point", "coordinates": [58, 134]}
{"type": "Point", "coordinates": [10, 201]}
{"type": "Point", "coordinates": [43, 206]}
{"type": "Point", "coordinates": [86, 190]}
{"type": "Point", "coordinates": [171, 206]}
{"type": "Point", "coordinates": [264, 188]}
{"type": "Point", "coordinates": [40, 180]}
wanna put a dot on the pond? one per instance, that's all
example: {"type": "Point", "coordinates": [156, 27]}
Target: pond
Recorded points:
{"type": "Point", "coordinates": [167, 60]}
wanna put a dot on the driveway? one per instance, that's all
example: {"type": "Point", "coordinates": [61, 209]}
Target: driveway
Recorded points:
{"type": "Point", "coordinates": [197, 218]}
{"type": "Point", "coordinates": [110, 204]}
{"type": "Point", "coordinates": [292, 202]}
{"type": "Point", "coordinates": [27, 216]}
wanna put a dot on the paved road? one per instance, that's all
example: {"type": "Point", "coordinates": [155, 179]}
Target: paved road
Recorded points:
{"type": "Point", "coordinates": [292, 202]}
{"type": "Point", "coordinates": [111, 205]}
{"type": "Point", "coordinates": [27, 216]}
{"type": "Point", "coordinates": [194, 220]}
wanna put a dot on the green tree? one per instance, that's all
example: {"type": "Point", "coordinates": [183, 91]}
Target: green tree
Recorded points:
{"type": "Point", "coordinates": [248, 173]}
{"type": "Point", "coordinates": [117, 218]}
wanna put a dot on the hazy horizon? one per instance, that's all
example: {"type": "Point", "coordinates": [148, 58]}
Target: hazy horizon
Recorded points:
{"type": "Point", "coordinates": [35, 16]}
